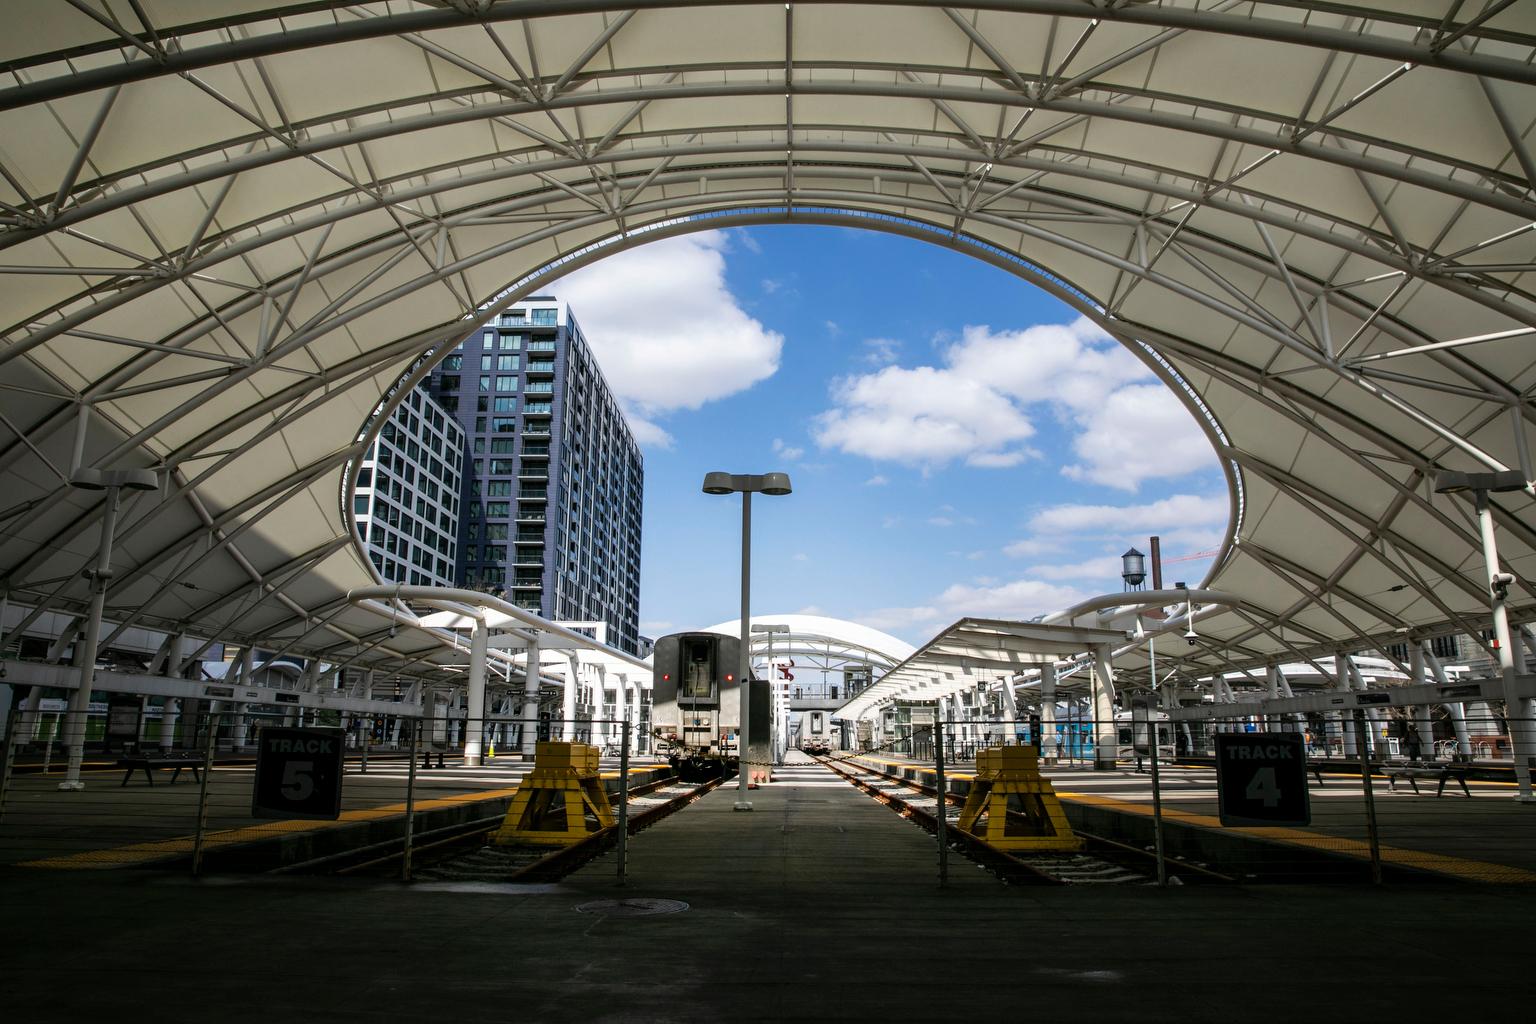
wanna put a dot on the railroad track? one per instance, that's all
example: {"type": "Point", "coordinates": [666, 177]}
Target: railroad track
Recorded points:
{"type": "Point", "coordinates": [1102, 862]}
{"type": "Point", "coordinates": [461, 852]}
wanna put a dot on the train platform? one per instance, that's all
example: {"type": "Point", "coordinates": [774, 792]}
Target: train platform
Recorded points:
{"type": "Point", "coordinates": [1484, 837]}
{"type": "Point", "coordinates": [819, 904]}
{"type": "Point", "coordinates": [145, 823]}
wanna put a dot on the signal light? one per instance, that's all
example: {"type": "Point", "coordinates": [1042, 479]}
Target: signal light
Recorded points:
{"type": "Point", "coordinates": [729, 677]}
{"type": "Point", "coordinates": [666, 677]}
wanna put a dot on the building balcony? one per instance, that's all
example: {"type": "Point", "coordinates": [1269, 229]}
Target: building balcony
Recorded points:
{"type": "Point", "coordinates": [530, 515]}
{"type": "Point", "coordinates": [529, 537]}
{"type": "Point", "coordinates": [528, 583]}
{"type": "Point", "coordinates": [529, 556]}
{"type": "Point", "coordinates": [541, 369]}
{"type": "Point", "coordinates": [533, 494]}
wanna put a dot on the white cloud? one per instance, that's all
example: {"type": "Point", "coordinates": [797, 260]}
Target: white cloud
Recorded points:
{"type": "Point", "coordinates": [1136, 433]}
{"type": "Point", "coordinates": [923, 416]}
{"type": "Point", "coordinates": [788, 453]}
{"type": "Point", "coordinates": [667, 331]}
{"type": "Point", "coordinates": [1029, 547]}
{"type": "Point", "coordinates": [878, 480]}
{"type": "Point", "coordinates": [1016, 599]}
{"type": "Point", "coordinates": [1177, 511]}
{"type": "Point", "coordinates": [801, 556]}
{"type": "Point", "coordinates": [656, 627]}
{"type": "Point", "coordinates": [833, 328]}
{"type": "Point", "coordinates": [948, 515]}
{"type": "Point", "coordinates": [747, 241]}
{"type": "Point", "coordinates": [882, 351]}
{"type": "Point", "coordinates": [771, 285]}
{"type": "Point", "coordinates": [976, 406]}
{"type": "Point", "coordinates": [1104, 569]}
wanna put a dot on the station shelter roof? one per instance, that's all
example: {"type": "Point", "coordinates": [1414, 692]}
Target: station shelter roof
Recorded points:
{"type": "Point", "coordinates": [972, 652]}
{"type": "Point", "coordinates": [229, 226]}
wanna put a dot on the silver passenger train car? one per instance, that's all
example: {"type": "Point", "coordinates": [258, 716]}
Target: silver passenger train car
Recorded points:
{"type": "Point", "coordinates": [695, 715]}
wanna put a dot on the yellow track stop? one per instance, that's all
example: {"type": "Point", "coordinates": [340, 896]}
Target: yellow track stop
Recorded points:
{"type": "Point", "coordinates": [1008, 779]}
{"type": "Point", "coordinates": [550, 807]}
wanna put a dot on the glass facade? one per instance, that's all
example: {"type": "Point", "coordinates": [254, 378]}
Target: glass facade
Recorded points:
{"type": "Point", "coordinates": [406, 507]}
{"type": "Point", "coordinates": [553, 469]}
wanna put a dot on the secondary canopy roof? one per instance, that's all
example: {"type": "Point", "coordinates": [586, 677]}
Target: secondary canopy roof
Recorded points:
{"type": "Point", "coordinates": [229, 226]}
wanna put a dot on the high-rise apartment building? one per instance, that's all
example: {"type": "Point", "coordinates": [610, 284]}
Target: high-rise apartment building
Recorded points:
{"type": "Point", "coordinates": [553, 481]}
{"type": "Point", "coordinates": [406, 507]}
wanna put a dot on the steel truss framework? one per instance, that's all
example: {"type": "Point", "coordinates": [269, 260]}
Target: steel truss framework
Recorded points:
{"type": "Point", "coordinates": [227, 228]}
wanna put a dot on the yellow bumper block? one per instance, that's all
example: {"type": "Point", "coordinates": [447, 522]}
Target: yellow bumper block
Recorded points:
{"type": "Point", "coordinates": [1013, 807]}
{"type": "Point", "coordinates": [551, 806]}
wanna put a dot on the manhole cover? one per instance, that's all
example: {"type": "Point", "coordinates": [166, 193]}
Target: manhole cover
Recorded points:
{"type": "Point", "coordinates": [638, 906]}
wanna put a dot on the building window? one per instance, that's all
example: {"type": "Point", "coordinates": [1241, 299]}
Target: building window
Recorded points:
{"type": "Point", "coordinates": [485, 382]}
{"type": "Point", "coordinates": [507, 362]}
{"type": "Point", "coordinates": [506, 404]}
{"type": "Point", "coordinates": [453, 362]}
{"type": "Point", "coordinates": [502, 445]}
{"type": "Point", "coordinates": [504, 426]}
{"type": "Point", "coordinates": [545, 317]}
{"type": "Point", "coordinates": [498, 509]}
{"type": "Point", "coordinates": [511, 342]}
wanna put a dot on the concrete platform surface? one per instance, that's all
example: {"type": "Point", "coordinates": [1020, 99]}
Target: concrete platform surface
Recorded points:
{"type": "Point", "coordinates": [110, 825]}
{"type": "Point", "coordinates": [818, 905]}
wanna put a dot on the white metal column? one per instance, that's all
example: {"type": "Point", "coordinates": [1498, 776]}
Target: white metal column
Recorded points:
{"type": "Point", "coordinates": [1105, 738]}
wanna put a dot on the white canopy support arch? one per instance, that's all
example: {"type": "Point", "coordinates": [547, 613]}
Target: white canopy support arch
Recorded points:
{"type": "Point", "coordinates": [227, 227]}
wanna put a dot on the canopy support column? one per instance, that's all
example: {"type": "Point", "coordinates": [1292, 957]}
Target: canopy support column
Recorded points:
{"type": "Point", "coordinates": [1106, 739]}
{"type": "Point", "coordinates": [474, 733]}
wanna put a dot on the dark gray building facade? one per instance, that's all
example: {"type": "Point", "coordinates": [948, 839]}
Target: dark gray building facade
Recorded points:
{"type": "Point", "coordinates": [553, 477]}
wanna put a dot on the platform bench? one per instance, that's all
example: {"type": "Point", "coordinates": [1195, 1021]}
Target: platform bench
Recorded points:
{"type": "Point", "coordinates": [149, 763]}
{"type": "Point", "coordinates": [1412, 773]}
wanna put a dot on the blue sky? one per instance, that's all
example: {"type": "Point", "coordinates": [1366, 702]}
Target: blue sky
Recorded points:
{"type": "Point", "coordinates": [960, 442]}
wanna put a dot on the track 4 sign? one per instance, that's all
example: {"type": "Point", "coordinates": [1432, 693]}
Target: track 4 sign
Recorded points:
{"type": "Point", "coordinates": [1261, 779]}
{"type": "Point", "coordinates": [298, 774]}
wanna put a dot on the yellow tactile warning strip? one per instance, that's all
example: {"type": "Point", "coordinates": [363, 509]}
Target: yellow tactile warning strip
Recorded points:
{"type": "Point", "coordinates": [138, 854]}
{"type": "Point", "coordinates": [1456, 867]}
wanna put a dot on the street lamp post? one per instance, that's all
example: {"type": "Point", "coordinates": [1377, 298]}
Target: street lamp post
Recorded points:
{"type": "Point", "coordinates": [746, 484]}
{"type": "Point", "coordinates": [1520, 726]}
{"type": "Point", "coordinates": [112, 481]}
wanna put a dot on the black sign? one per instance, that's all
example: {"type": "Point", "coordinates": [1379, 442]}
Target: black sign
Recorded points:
{"type": "Point", "coordinates": [298, 774]}
{"type": "Point", "coordinates": [1261, 779]}
{"type": "Point", "coordinates": [124, 711]}
{"type": "Point", "coordinates": [1141, 729]}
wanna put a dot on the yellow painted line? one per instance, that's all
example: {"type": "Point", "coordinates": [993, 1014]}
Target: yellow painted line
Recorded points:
{"type": "Point", "coordinates": [144, 853]}
{"type": "Point", "coordinates": [1459, 867]}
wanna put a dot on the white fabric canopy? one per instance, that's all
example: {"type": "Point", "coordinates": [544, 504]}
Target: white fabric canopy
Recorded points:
{"type": "Point", "coordinates": [229, 226]}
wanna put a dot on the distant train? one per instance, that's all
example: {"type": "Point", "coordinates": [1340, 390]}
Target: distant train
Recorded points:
{"type": "Point", "coordinates": [1126, 740]}
{"type": "Point", "coordinates": [696, 710]}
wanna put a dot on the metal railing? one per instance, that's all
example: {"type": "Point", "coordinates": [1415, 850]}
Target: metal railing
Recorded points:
{"type": "Point", "coordinates": [197, 803]}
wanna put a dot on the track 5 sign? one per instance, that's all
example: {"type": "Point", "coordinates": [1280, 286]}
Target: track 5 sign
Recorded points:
{"type": "Point", "coordinates": [1261, 779]}
{"type": "Point", "coordinates": [298, 774]}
